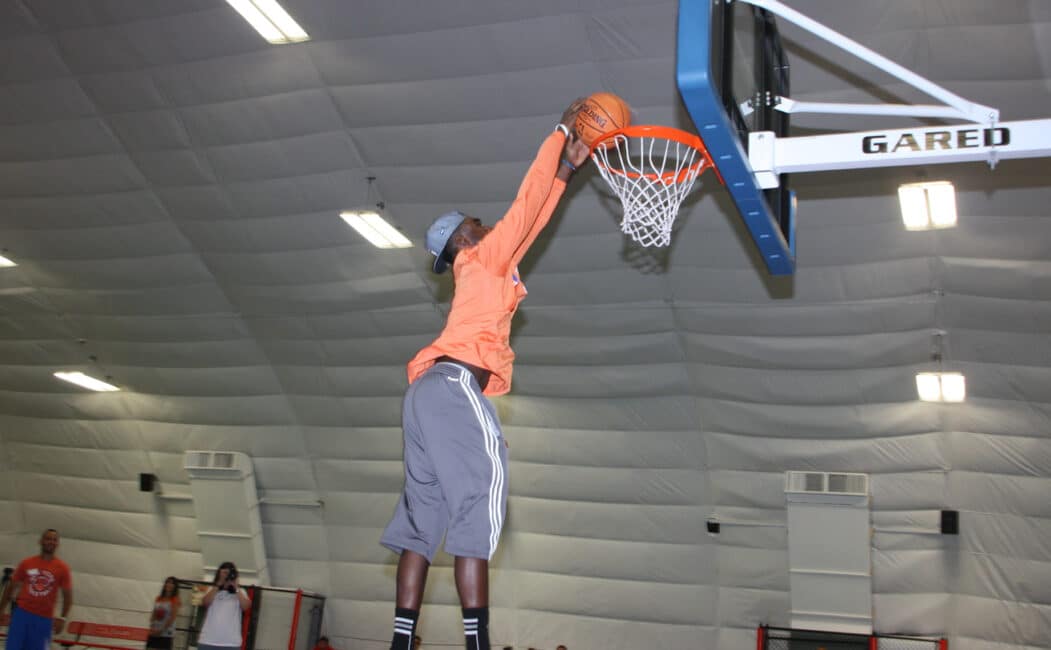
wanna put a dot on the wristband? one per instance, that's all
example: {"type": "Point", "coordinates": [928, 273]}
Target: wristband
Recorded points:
{"type": "Point", "coordinates": [563, 128]}
{"type": "Point", "coordinates": [571, 166]}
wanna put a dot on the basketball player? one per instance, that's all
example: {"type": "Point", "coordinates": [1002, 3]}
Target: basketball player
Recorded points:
{"type": "Point", "coordinates": [35, 587]}
{"type": "Point", "coordinates": [455, 455]}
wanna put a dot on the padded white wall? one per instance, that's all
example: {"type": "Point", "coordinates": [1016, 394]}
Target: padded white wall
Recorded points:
{"type": "Point", "coordinates": [170, 187]}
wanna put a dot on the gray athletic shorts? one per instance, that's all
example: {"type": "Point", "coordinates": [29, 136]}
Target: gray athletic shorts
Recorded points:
{"type": "Point", "coordinates": [455, 468]}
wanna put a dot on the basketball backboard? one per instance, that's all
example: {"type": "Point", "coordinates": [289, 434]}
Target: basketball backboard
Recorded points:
{"type": "Point", "coordinates": [731, 70]}
{"type": "Point", "coordinates": [733, 76]}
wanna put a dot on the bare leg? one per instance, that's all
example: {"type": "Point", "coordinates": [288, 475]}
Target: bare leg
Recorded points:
{"type": "Point", "coordinates": [412, 577]}
{"type": "Point", "coordinates": [472, 581]}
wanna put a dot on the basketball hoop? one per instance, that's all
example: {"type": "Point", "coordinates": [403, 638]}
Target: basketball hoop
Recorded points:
{"type": "Point", "coordinates": [651, 169]}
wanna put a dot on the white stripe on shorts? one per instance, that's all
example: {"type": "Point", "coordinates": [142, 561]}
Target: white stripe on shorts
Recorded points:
{"type": "Point", "coordinates": [492, 449]}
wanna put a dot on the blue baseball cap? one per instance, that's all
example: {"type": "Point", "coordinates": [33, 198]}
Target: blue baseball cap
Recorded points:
{"type": "Point", "coordinates": [438, 236]}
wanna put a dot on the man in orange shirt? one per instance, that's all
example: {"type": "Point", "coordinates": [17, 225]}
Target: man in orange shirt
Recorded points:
{"type": "Point", "coordinates": [455, 455]}
{"type": "Point", "coordinates": [34, 588]}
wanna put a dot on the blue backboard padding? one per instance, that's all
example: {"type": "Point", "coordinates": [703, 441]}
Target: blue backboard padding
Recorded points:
{"type": "Point", "coordinates": [716, 128]}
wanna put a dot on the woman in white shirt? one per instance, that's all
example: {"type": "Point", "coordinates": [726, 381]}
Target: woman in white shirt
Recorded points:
{"type": "Point", "coordinates": [226, 601]}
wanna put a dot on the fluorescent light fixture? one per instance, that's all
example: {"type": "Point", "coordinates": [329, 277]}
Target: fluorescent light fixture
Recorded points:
{"type": "Point", "coordinates": [929, 386]}
{"type": "Point", "coordinates": [928, 205]}
{"type": "Point", "coordinates": [85, 381]}
{"type": "Point", "coordinates": [271, 21]}
{"type": "Point", "coordinates": [372, 227]}
{"type": "Point", "coordinates": [941, 197]}
{"type": "Point", "coordinates": [913, 201]}
{"type": "Point", "coordinates": [941, 386]}
{"type": "Point", "coordinates": [4, 262]}
{"type": "Point", "coordinates": [954, 387]}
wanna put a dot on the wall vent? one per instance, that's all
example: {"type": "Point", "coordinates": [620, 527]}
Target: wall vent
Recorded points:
{"type": "Point", "coordinates": [216, 462]}
{"type": "Point", "coordinates": [827, 483]}
{"type": "Point", "coordinates": [225, 502]}
{"type": "Point", "coordinates": [829, 551]}
{"type": "Point", "coordinates": [197, 460]}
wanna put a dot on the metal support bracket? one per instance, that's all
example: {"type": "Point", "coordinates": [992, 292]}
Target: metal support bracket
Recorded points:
{"type": "Point", "coordinates": [770, 156]}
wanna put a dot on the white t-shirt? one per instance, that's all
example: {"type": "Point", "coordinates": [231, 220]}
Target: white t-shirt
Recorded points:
{"type": "Point", "coordinates": [222, 623]}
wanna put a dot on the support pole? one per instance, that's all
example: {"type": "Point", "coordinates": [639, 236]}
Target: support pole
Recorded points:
{"type": "Point", "coordinates": [967, 110]}
{"type": "Point", "coordinates": [295, 620]}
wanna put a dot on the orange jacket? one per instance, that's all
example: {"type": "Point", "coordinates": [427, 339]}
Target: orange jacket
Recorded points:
{"type": "Point", "coordinates": [488, 287]}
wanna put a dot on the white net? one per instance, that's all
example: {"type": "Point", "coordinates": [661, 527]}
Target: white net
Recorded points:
{"type": "Point", "coordinates": [651, 175]}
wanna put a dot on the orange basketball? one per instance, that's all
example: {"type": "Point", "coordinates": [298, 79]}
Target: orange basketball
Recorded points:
{"type": "Point", "coordinates": [602, 113]}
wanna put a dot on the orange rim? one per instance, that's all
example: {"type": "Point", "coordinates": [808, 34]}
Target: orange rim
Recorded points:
{"type": "Point", "coordinates": [665, 133]}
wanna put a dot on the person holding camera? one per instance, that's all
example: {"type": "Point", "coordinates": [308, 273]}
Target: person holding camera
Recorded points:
{"type": "Point", "coordinates": [226, 602]}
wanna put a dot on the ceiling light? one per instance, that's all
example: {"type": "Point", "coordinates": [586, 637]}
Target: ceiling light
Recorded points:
{"type": "Point", "coordinates": [928, 205]}
{"type": "Point", "coordinates": [941, 386]}
{"type": "Point", "coordinates": [929, 387]}
{"type": "Point", "coordinates": [4, 262]}
{"type": "Point", "coordinates": [84, 381]}
{"type": "Point", "coordinates": [271, 21]}
{"type": "Point", "coordinates": [371, 225]}
{"type": "Point", "coordinates": [954, 387]}
{"type": "Point", "coordinates": [374, 228]}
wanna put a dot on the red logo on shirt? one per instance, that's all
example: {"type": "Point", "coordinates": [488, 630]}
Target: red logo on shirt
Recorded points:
{"type": "Point", "coordinates": [40, 583]}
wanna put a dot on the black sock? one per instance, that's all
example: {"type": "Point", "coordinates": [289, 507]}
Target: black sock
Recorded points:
{"type": "Point", "coordinates": [476, 628]}
{"type": "Point", "coordinates": [404, 628]}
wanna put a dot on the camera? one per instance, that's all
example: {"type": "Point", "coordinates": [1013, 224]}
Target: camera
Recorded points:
{"type": "Point", "coordinates": [230, 577]}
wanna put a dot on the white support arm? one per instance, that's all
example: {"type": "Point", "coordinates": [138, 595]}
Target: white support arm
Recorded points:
{"type": "Point", "coordinates": [791, 106]}
{"type": "Point", "coordinates": [770, 155]}
{"type": "Point", "coordinates": [966, 110]}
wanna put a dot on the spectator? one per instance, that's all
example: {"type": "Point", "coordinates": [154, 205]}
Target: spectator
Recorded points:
{"type": "Point", "coordinates": [34, 587]}
{"type": "Point", "coordinates": [417, 642]}
{"type": "Point", "coordinates": [162, 620]}
{"type": "Point", "coordinates": [6, 581]}
{"type": "Point", "coordinates": [226, 602]}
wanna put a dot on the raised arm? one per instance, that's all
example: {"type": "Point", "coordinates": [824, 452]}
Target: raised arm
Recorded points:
{"type": "Point", "coordinates": [574, 155]}
{"type": "Point", "coordinates": [531, 209]}
{"type": "Point", "coordinates": [210, 595]}
{"type": "Point", "coordinates": [242, 597]}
